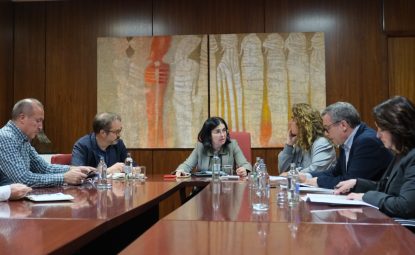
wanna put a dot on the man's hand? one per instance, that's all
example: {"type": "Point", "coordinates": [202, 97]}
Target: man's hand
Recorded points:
{"type": "Point", "coordinates": [344, 186]}
{"type": "Point", "coordinates": [18, 191]}
{"type": "Point", "coordinates": [75, 175]}
{"type": "Point", "coordinates": [116, 168]}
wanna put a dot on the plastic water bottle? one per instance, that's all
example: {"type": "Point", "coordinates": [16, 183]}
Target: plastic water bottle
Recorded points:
{"type": "Point", "coordinates": [216, 166]}
{"type": "Point", "coordinates": [253, 174]}
{"type": "Point", "coordinates": [102, 175]}
{"type": "Point", "coordinates": [128, 166]}
{"type": "Point", "coordinates": [293, 186]}
{"type": "Point", "coordinates": [260, 191]}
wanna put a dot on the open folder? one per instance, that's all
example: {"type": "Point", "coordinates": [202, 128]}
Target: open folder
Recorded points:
{"type": "Point", "coordinates": [334, 200]}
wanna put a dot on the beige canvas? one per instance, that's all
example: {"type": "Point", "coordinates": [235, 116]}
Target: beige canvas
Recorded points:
{"type": "Point", "coordinates": [162, 88]}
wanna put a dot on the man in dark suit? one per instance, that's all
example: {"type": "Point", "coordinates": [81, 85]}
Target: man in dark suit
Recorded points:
{"type": "Point", "coordinates": [362, 154]}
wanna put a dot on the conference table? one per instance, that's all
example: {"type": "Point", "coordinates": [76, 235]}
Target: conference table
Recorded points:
{"type": "Point", "coordinates": [94, 221]}
{"type": "Point", "coordinates": [125, 219]}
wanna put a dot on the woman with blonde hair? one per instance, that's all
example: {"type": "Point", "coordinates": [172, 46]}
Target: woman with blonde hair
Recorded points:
{"type": "Point", "coordinates": [306, 145]}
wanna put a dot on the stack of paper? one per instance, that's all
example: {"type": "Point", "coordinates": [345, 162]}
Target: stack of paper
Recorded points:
{"type": "Point", "coordinates": [334, 200]}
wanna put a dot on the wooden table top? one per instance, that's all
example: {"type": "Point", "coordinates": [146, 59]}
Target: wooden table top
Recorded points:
{"type": "Point", "coordinates": [123, 198]}
{"type": "Point", "coordinates": [234, 205]}
{"type": "Point", "coordinates": [209, 223]}
{"type": "Point", "coordinates": [51, 236]}
{"type": "Point", "coordinates": [230, 237]}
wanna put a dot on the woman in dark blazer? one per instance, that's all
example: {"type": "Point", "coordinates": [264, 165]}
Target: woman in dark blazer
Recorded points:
{"type": "Point", "coordinates": [213, 139]}
{"type": "Point", "coordinates": [394, 194]}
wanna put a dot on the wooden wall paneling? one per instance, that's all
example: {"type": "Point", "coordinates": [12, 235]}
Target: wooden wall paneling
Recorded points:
{"type": "Point", "coordinates": [354, 45]}
{"type": "Point", "coordinates": [6, 60]}
{"type": "Point", "coordinates": [399, 17]}
{"type": "Point", "coordinates": [208, 17]}
{"type": "Point", "coordinates": [29, 51]}
{"type": "Point", "coordinates": [401, 62]}
{"type": "Point", "coordinates": [270, 158]}
{"type": "Point", "coordinates": [71, 70]}
{"type": "Point", "coordinates": [143, 158]}
{"type": "Point", "coordinates": [166, 161]}
{"type": "Point", "coordinates": [123, 18]}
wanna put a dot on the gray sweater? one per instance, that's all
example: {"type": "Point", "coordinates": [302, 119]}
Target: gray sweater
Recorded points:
{"type": "Point", "coordinates": [202, 158]}
{"type": "Point", "coordinates": [320, 157]}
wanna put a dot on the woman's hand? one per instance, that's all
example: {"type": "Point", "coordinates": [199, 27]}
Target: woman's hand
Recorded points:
{"type": "Point", "coordinates": [291, 138]}
{"type": "Point", "coordinates": [344, 186]}
{"type": "Point", "coordinates": [355, 196]}
{"type": "Point", "coordinates": [180, 172]}
{"type": "Point", "coordinates": [312, 181]}
{"type": "Point", "coordinates": [241, 171]}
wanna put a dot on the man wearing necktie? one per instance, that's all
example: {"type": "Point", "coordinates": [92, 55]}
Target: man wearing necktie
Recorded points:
{"type": "Point", "coordinates": [362, 154]}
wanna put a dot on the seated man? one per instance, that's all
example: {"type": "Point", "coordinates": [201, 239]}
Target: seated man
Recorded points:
{"type": "Point", "coordinates": [103, 142]}
{"type": "Point", "coordinates": [362, 154]}
{"type": "Point", "coordinates": [19, 161]}
{"type": "Point", "coordinates": [13, 191]}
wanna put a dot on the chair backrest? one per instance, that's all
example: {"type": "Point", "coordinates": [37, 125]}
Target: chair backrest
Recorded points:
{"type": "Point", "coordinates": [61, 159]}
{"type": "Point", "coordinates": [244, 141]}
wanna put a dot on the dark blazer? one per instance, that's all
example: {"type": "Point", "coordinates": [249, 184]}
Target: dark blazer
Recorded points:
{"type": "Point", "coordinates": [368, 159]}
{"type": "Point", "coordinates": [86, 152]}
{"type": "Point", "coordinates": [394, 194]}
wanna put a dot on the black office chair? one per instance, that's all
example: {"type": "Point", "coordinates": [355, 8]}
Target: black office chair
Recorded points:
{"type": "Point", "coordinates": [409, 224]}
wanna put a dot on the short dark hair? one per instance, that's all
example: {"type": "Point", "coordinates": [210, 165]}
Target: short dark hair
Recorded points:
{"type": "Point", "coordinates": [103, 121]}
{"type": "Point", "coordinates": [397, 116]}
{"type": "Point", "coordinates": [343, 111]}
{"type": "Point", "coordinates": [25, 106]}
{"type": "Point", "coordinates": [205, 134]}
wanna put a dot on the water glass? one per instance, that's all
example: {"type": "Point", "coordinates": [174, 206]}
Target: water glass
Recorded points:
{"type": "Point", "coordinates": [227, 169]}
{"type": "Point", "coordinates": [227, 185]}
{"type": "Point", "coordinates": [139, 172]}
{"type": "Point", "coordinates": [260, 198]}
{"type": "Point", "coordinates": [282, 193]}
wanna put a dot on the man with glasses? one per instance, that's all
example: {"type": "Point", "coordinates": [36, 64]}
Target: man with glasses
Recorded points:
{"type": "Point", "coordinates": [362, 154]}
{"type": "Point", "coordinates": [19, 161]}
{"type": "Point", "coordinates": [104, 142]}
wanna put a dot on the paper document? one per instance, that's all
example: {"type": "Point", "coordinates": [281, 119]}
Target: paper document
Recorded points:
{"type": "Point", "coordinates": [50, 197]}
{"type": "Point", "coordinates": [316, 190]}
{"type": "Point", "coordinates": [334, 200]}
{"type": "Point", "coordinates": [277, 178]}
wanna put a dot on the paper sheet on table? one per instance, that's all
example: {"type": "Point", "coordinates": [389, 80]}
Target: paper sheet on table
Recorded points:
{"type": "Point", "coordinates": [50, 197]}
{"type": "Point", "coordinates": [313, 189]}
{"type": "Point", "coordinates": [277, 178]}
{"type": "Point", "coordinates": [334, 200]}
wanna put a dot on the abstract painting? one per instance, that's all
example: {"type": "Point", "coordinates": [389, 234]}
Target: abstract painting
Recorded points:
{"type": "Point", "coordinates": [164, 86]}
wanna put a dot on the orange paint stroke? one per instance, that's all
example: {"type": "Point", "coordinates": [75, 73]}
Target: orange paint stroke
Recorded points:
{"type": "Point", "coordinates": [156, 80]}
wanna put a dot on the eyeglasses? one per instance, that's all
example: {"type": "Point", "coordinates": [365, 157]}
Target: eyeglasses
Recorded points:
{"type": "Point", "coordinates": [117, 132]}
{"type": "Point", "coordinates": [327, 128]}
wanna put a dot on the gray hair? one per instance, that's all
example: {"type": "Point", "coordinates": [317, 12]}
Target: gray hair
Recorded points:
{"type": "Point", "coordinates": [343, 111]}
{"type": "Point", "coordinates": [25, 106]}
{"type": "Point", "coordinates": [103, 121]}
